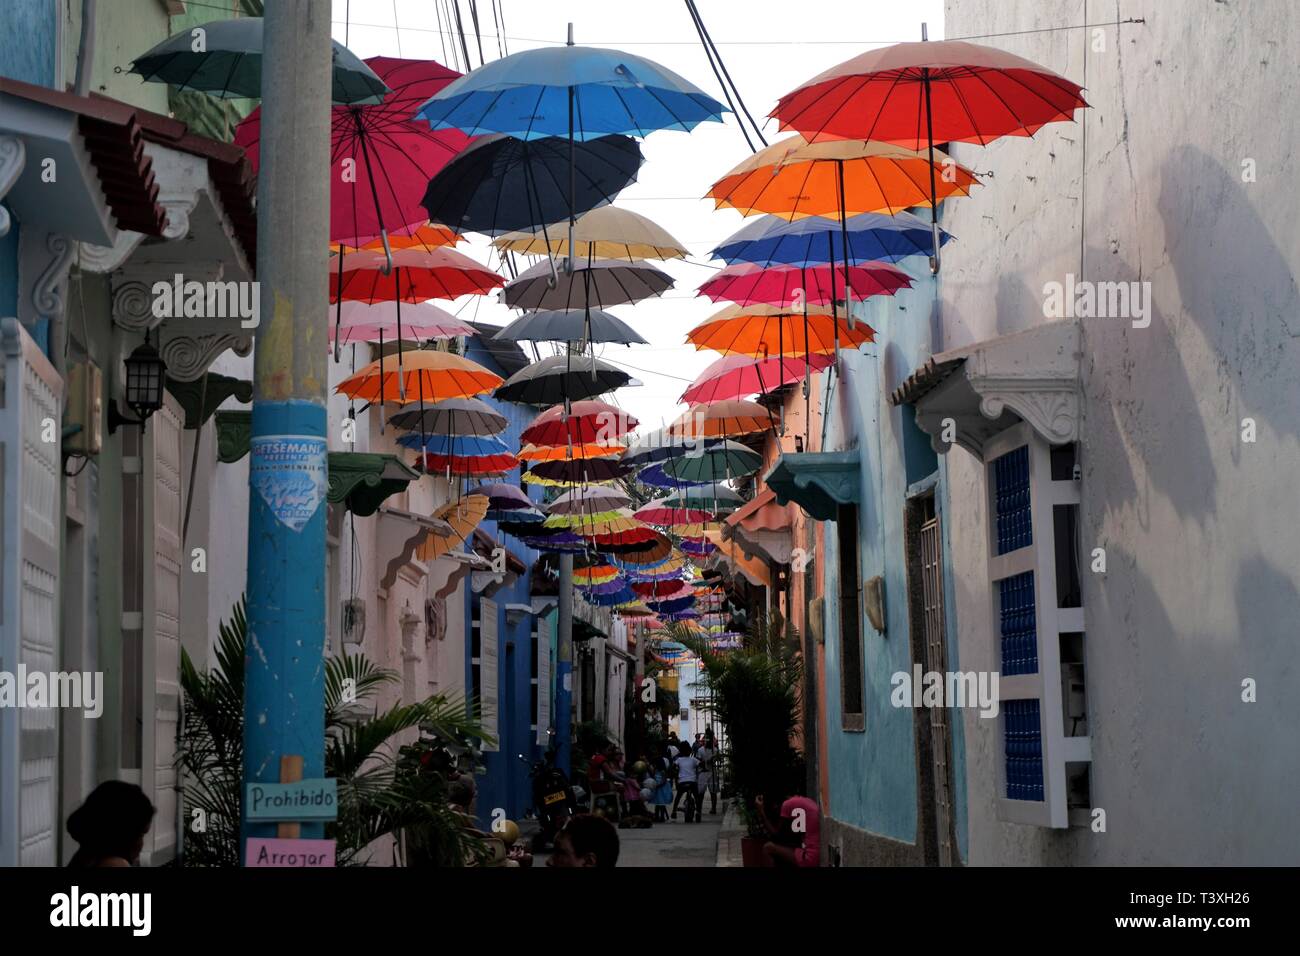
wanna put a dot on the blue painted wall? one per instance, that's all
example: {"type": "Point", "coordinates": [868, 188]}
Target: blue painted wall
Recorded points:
{"type": "Point", "coordinates": [872, 774]}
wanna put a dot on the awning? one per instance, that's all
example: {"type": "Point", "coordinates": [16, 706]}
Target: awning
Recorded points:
{"type": "Point", "coordinates": [201, 399]}
{"type": "Point", "coordinates": [763, 525]}
{"type": "Point", "coordinates": [982, 389]}
{"type": "Point", "coordinates": [362, 481]}
{"type": "Point", "coordinates": [818, 481]}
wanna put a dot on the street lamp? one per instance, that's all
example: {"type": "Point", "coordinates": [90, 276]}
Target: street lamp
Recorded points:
{"type": "Point", "coordinates": [146, 373]}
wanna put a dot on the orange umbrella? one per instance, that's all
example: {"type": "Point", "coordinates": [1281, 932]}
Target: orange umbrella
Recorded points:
{"type": "Point", "coordinates": [794, 179]}
{"type": "Point", "coordinates": [431, 235]}
{"type": "Point", "coordinates": [569, 452]}
{"type": "Point", "coordinates": [724, 419]}
{"type": "Point", "coordinates": [463, 516]}
{"type": "Point", "coordinates": [773, 330]}
{"type": "Point", "coordinates": [428, 376]}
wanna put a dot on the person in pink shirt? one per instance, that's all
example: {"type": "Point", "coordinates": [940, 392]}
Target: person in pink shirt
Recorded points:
{"type": "Point", "coordinates": [796, 835]}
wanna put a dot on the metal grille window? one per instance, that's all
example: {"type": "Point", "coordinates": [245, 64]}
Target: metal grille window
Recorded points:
{"type": "Point", "coordinates": [1024, 750]}
{"type": "Point", "coordinates": [1019, 634]}
{"type": "Point", "coordinates": [1011, 501]}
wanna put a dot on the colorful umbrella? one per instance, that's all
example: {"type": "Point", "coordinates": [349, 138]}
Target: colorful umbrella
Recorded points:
{"type": "Point", "coordinates": [452, 416]}
{"type": "Point", "coordinates": [769, 330]}
{"type": "Point", "coordinates": [598, 284]}
{"type": "Point", "coordinates": [420, 322]}
{"type": "Point", "coordinates": [591, 325]}
{"type": "Point", "coordinates": [712, 497]}
{"type": "Point", "coordinates": [733, 376]}
{"type": "Point", "coordinates": [553, 379]}
{"type": "Point", "coordinates": [588, 501]}
{"type": "Point", "coordinates": [464, 516]}
{"type": "Point", "coordinates": [503, 497]}
{"type": "Point", "coordinates": [583, 422]}
{"type": "Point", "coordinates": [596, 574]}
{"type": "Point", "coordinates": [606, 232]}
{"type": "Point", "coordinates": [725, 419]}
{"type": "Point", "coordinates": [729, 459]}
{"type": "Point", "coordinates": [417, 274]}
{"type": "Point", "coordinates": [653, 475]}
{"type": "Point", "coordinates": [771, 240]}
{"type": "Point", "coordinates": [470, 466]}
{"type": "Point", "coordinates": [581, 472]}
{"type": "Point", "coordinates": [569, 452]}
{"type": "Point", "coordinates": [429, 376]}
{"type": "Point", "coordinates": [667, 517]}
{"type": "Point", "coordinates": [748, 284]}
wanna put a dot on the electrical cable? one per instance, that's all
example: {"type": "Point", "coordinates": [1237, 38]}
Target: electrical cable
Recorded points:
{"type": "Point", "coordinates": [699, 22]}
{"type": "Point", "coordinates": [725, 92]}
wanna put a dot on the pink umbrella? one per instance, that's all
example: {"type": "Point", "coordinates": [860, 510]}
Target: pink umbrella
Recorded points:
{"type": "Point", "coordinates": [420, 321]}
{"type": "Point", "coordinates": [734, 376]}
{"type": "Point", "coordinates": [749, 284]}
{"type": "Point", "coordinates": [657, 514]}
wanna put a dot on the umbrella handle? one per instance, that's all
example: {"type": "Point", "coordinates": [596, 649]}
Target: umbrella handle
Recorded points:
{"type": "Point", "coordinates": [554, 278]}
{"type": "Point", "coordinates": [388, 251]}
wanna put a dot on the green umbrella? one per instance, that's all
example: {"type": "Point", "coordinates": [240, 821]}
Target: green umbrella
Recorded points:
{"type": "Point", "coordinates": [714, 496]}
{"type": "Point", "coordinates": [224, 58]}
{"type": "Point", "coordinates": [728, 459]}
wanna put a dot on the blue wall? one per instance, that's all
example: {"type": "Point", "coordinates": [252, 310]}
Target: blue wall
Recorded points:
{"type": "Point", "coordinates": [872, 774]}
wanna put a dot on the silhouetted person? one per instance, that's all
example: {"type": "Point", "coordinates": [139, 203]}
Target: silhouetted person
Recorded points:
{"type": "Point", "coordinates": [111, 825]}
{"type": "Point", "coordinates": [586, 840]}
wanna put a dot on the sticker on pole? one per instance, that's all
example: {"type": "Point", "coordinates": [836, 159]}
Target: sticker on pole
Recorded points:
{"type": "Point", "coordinates": [289, 472]}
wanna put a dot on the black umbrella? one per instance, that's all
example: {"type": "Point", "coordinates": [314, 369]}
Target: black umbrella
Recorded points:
{"type": "Point", "coordinates": [570, 326]}
{"type": "Point", "coordinates": [499, 184]}
{"type": "Point", "coordinates": [580, 471]}
{"type": "Point", "coordinates": [597, 284]}
{"type": "Point", "coordinates": [229, 63]}
{"type": "Point", "coordinates": [552, 380]}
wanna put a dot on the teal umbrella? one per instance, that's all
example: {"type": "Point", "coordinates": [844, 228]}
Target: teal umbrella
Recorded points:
{"type": "Point", "coordinates": [715, 496]}
{"type": "Point", "coordinates": [728, 459]}
{"type": "Point", "coordinates": [224, 58]}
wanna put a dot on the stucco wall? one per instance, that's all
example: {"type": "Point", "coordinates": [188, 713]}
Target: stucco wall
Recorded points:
{"type": "Point", "coordinates": [1201, 586]}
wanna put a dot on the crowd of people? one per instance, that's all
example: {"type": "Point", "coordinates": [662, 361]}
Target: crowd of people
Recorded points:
{"type": "Point", "coordinates": [654, 787]}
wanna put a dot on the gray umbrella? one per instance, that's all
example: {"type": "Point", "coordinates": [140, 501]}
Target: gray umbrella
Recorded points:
{"type": "Point", "coordinates": [230, 64]}
{"type": "Point", "coordinates": [570, 326]}
{"type": "Point", "coordinates": [453, 416]}
{"type": "Point", "coordinates": [555, 378]}
{"type": "Point", "coordinates": [598, 284]}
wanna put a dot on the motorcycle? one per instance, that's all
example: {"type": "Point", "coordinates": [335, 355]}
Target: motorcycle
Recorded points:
{"type": "Point", "coordinates": [554, 799]}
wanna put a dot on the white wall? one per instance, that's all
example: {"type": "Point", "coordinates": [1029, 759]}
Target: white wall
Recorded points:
{"type": "Point", "coordinates": [1201, 589]}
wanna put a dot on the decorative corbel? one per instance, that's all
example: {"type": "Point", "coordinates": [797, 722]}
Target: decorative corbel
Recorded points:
{"type": "Point", "coordinates": [13, 159]}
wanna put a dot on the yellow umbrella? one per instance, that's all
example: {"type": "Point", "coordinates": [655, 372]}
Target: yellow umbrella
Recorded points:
{"type": "Point", "coordinates": [463, 516]}
{"type": "Point", "coordinates": [604, 233]}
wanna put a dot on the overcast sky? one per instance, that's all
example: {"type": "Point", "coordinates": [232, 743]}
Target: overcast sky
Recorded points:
{"type": "Point", "coordinates": [769, 47]}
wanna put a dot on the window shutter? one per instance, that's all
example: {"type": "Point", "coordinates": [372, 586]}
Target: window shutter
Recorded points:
{"type": "Point", "coordinates": [488, 669]}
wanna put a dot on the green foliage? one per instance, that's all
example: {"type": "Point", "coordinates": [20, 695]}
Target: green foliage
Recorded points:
{"type": "Point", "coordinates": [756, 691]}
{"type": "Point", "coordinates": [382, 790]}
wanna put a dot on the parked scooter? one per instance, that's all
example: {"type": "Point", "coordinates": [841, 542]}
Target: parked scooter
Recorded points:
{"type": "Point", "coordinates": [554, 799]}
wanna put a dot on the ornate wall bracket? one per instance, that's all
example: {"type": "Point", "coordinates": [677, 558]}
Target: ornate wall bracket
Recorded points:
{"type": "Point", "coordinates": [13, 159]}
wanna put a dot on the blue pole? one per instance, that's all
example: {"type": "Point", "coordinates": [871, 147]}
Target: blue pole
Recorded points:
{"type": "Point", "coordinates": [284, 699]}
{"type": "Point", "coordinates": [564, 669]}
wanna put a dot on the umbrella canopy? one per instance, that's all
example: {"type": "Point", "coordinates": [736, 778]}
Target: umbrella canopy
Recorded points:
{"type": "Point", "coordinates": [658, 514]}
{"type": "Point", "coordinates": [727, 460]}
{"type": "Point", "coordinates": [602, 522]}
{"type": "Point", "coordinates": [793, 179]}
{"type": "Point", "coordinates": [571, 90]}
{"type": "Point", "coordinates": [499, 184]}
{"type": "Point", "coordinates": [428, 376]}
{"type": "Point", "coordinates": [735, 375]}
{"type": "Point", "coordinates": [725, 419]}
{"type": "Point", "coordinates": [769, 330]}
{"type": "Point", "coordinates": [504, 497]}
{"type": "Point", "coordinates": [556, 378]}
{"type": "Point", "coordinates": [380, 159]}
{"type": "Point", "coordinates": [564, 543]}
{"type": "Point", "coordinates": [699, 547]}
{"type": "Point", "coordinates": [575, 325]}
{"type": "Point", "coordinates": [591, 500]}
{"type": "Point", "coordinates": [456, 446]}
{"type": "Point", "coordinates": [569, 452]}
{"type": "Point", "coordinates": [420, 321]}
{"type": "Point", "coordinates": [597, 284]}
{"type": "Point", "coordinates": [573, 473]}
{"type": "Point", "coordinates": [749, 284]}
{"type": "Point", "coordinates": [771, 240]}
{"type": "Point", "coordinates": [596, 574]}
{"type": "Point", "coordinates": [946, 91]}
{"type": "Point", "coordinates": [418, 274]}
{"type": "Point", "coordinates": [470, 466]}
{"type": "Point", "coordinates": [517, 520]}
{"type": "Point", "coordinates": [653, 475]}
{"type": "Point", "coordinates": [429, 235]}
{"type": "Point", "coordinates": [585, 422]}
{"type": "Point", "coordinates": [659, 445]}
{"type": "Point", "coordinates": [230, 64]}
{"type": "Point", "coordinates": [714, 496]}
{"type": "Point", "coordinates": [452, 416]}
{"type": "Point", "coordinates": [464, 516]}
{"type": "Point", "coordinates": [607, 232]}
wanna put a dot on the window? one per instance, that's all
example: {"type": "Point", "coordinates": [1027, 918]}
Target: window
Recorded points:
{"type": "Point", "coordinates": [846, 529]}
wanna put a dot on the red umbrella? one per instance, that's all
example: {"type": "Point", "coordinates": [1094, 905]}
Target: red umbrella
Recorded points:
{"type": "Point", "coordinates": [911, 94]}
{"type": "Point", "coordinates": [734, 376]}
{"type": "Point", "coordinates": [750, 284]}
{"type": "Point", "coordinates": [471, 466]}
{"type": "Point", "coordinates": [417, 275]}
{"type": "Point", "coordinates": [587, 422]}
{"type": "Point", "coordinates": [657, 514]}
{"type": "Point", "coordinates": [661, 590]}
{"type": "Point", "coordinates": [381, 160]}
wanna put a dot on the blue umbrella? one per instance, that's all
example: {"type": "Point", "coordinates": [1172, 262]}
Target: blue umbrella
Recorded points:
{"type": "Point", "coordinates": [653, 475]}
{"type": "Point", "coordinates": [771, 240]}
{"type": "Point", "coordinates": [576, 91]}
{"type": "Point", "coordinates": [464, 446]}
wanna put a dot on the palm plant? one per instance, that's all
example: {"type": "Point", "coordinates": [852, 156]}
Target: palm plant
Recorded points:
{"type": "Point", "coordinates": [380, 791]}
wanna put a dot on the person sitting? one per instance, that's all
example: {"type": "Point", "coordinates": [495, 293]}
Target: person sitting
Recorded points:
{"type": "Point", "coordinates": [587, 840]}
{"type": "Point", "coordinates": [110, 827]}
{"type": "Point", "coordinates": [796, 832]}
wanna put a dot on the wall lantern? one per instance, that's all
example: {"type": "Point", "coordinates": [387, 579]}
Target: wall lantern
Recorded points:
{"type": "Point", "coordinates": [146, 373]}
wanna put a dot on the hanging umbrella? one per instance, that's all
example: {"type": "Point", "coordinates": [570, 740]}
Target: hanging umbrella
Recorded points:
{"type": "Point", "coordinates": [662, 516]}
{"type": "Point", "coordinates": [499, 184]}
{"type": "Point", "coordinates": [733, 376]}
{"type": "Point", "coordinates": [605, 522]}
{"type": "Point", "coordinates": [714, 496]}
{"type": "Point", "coordinates": [645, 544]}
{"type": "Point", "coordinates": [653, 475]}
{"type": "Point", "coordinates": [748, 284]}
{"type": "Point", "coordinates": [596, 574]}
{"type": "Point", "coordinates": [577, 325]}
{"type": "Point", "coordinates": [417, 274]}
{"type": "Point", "coordinates": [660, 445]}
{"type": "Point", "coordinates": [428, 235]}
{"type": "Point", "coordinates": [569, 452]}
{"type": "Point", "coordinates": [504, 497]}
{"type": "Point", "coordinates": [467, 446]}
{"type": "Point", "coordinates": [464, 516]}
{"type": "Point", "coordinates": [430, 375]}
{"type": "Point", "coordinates": [564, 543]}
{"type": "Point", "coordinates": [583, 422]}
{"type": "Point", "coordinates": [771, 330]}
{"type": "Point", "coordinates": [553, 380]}
{"type": "Point", "coordinates": [700, 547]}
{"type": "Point", "coordinates": [380, 159]}
{"type": "Point", "coordinates": [420, 322]}
{"type": "Point", "coordinates": [726, 419]}
{"type": "Point", "coordinates": [523, 518]}
{"type": "Point", "coordinates": [606, 232]}
{"type": "Point", "coordinates": [470, 466]}
{"type": "Point", "coordinates": [452, 416]}
{"type": "Point", "coordinates": [592, 500]}
{"type": "Point", "coordinates": [918, 94]}
{"type": "Point", "coordinates": [771, 240]}
{"type": "Point", "coordinates": [573, 473]}
{"type": "Point", "coordinates": [727, 460]}
{"type": "Point", "coordinates": [597, 284]}
{"type": "Point", "coordinates": [661, 590]}
{"type": "Point", "coordinates": [229, 65]}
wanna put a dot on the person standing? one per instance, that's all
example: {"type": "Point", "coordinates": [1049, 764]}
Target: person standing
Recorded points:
{"type": "Point", "coordinates": [708, 779]}
{"type": "Point", "coordinates": [688, 774]}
